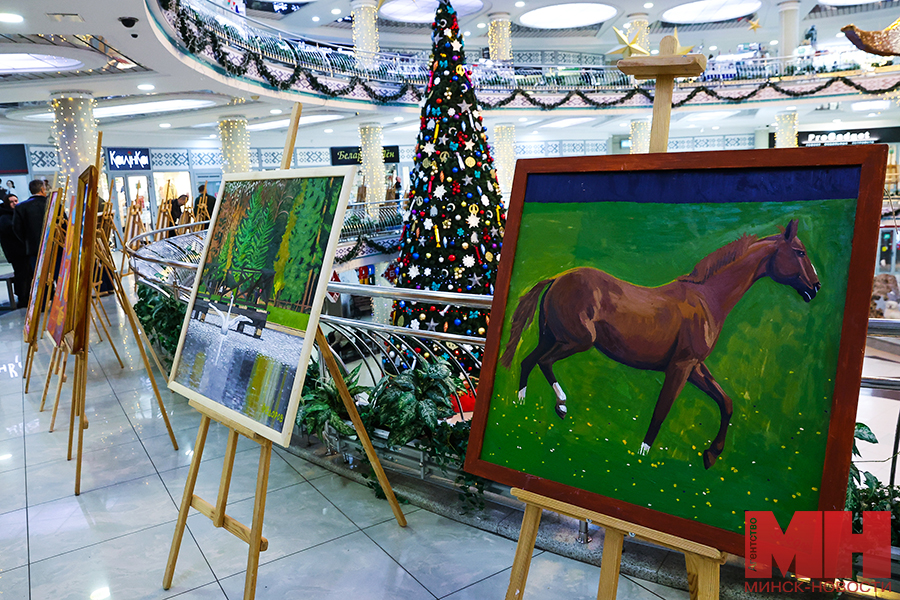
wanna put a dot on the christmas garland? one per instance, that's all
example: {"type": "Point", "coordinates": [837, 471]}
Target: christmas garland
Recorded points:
{"type": "Point", "coordinates": [196, 37]}
{"type": "Point", "coordinates": [361, 242]}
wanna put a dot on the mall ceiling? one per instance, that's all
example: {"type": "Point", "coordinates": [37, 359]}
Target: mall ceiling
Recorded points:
{"type": "Point", "coordinates": [145, 93]}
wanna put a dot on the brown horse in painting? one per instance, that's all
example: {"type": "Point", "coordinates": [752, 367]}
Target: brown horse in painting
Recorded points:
{"type": "Point", "coordinates": [672, 328]}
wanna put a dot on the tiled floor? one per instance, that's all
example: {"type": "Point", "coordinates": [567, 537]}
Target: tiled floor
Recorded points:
{"type": "Point", "coordinates": [329, 538]}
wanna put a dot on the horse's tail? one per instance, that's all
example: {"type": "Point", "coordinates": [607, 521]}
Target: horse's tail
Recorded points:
{"type": "Point", "coordinates": [522, 319]}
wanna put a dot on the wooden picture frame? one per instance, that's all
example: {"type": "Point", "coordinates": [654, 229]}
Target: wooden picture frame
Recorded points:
{"type": "Point", "coordinates": [83, 282]}
{"type": "Point", "coordinates": [653, 216]}
{"type": "Point", "coordinates": [256, 384]}
{"type": "Point", "coordinates": [45, 261]}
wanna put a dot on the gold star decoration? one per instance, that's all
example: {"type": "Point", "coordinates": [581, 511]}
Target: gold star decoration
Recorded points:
{"type": "Point", "coordinates": [628, 48]}
{"type": "Point", "coordinates": [679, 49]}
{"type": "Point", "coordinates": [754, 24]}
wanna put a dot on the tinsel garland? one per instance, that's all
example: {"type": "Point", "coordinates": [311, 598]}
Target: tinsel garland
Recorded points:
{"type": "Point", "coordinates": [196, 43]}
{"type": "Point", "coordinates": [361, 242]}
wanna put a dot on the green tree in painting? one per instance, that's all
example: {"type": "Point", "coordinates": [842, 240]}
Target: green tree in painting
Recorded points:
{"type": "Point", "coordinates": [284, 253]}
{"type": "Point", "coordinates": [254, 235]}
{"type": "Point", "coordinates": [297, 257]}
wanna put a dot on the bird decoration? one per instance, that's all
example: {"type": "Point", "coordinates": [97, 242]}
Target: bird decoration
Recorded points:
{"type": "Point", "coordinates": [628, 48]}
{"type": "Point", "coordinates": [883, 43]}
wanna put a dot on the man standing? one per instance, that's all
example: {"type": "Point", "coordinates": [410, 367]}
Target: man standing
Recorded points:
{"type": "Point", "coordinates": [14, 250]}
{"type": "Point", "coordinates": [28, 223]}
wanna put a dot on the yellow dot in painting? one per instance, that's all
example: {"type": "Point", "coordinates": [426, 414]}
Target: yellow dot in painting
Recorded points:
{"type": "Point", "coordinates": [693, 447]}
{"type": "Point", "coordinates": [634, 484]}
{"type": "Point", "coordinates": [639, 460]}
{"type": "Point", "coordinates": [674, 485]}
{"type": "Point", "coordinates": [775, 500]}
{"type": "Point", "coordinates": [624, 442]}
{"type": "Point", "coordinates": [734, 513]}
{"type": "Point", "coordinates": [662, 491]}
{"type": "Point", "coordinates": [589, 425]}
{"type": "Point", "coordinates": [722, 478]}
{"type": "Point", "coordinates": [815, 489]}
{"type": "Point", "coordinates": [748, 493]}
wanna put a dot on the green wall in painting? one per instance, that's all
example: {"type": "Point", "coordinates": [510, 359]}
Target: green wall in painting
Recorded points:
{"type": "Point", "coordinates": [776, 358]}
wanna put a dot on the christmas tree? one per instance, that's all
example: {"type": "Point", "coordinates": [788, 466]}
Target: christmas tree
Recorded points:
{"type": "Point", "coordinates": [453, 231]}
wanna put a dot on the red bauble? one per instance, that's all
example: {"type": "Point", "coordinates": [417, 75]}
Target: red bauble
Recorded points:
{"type": "Point", "coordinates": [452, 257]}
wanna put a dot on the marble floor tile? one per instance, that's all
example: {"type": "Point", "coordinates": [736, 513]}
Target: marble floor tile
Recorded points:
{"type": "Point", "coordinates": [309, 470]}
{"type": "Point", "coordinates": [78, 521]}
{"type": "Point", "coordinates": [356, 501]}
{"type": "Point", "coordinates": [12, 454]}
{"type": "Point", "coordinates": [296, 518]}
{"type": "Point", "coordinates": [102, 432]}
{"type": "Point", "coordinates": [661, 590]}
{"type": "Point", "coordinates": [100, 468]}
{"type": "Point", "coordinates": [349, 568]}
{"type": "Point", "coordinates": [13, 540]}
{"type": "Point", "coordinates": [150, 423]}
{"type": "Point", "coordinates": [243, 480]}
{"type": "Point", "coordinates": [12, 490]}
{"type": "Point", "coordinates": [439, 553]}
{"type": "Point", "coordinates": [130, 567]}
{"type": "Point", "coordinates": [213, 591]}
{"type": "Point", "coordinates": [165, 458]}
{"type": "Point", "coordinates": [14, 584]}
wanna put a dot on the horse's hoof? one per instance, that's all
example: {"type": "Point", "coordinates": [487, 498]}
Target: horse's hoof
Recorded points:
{"type": "Point", "coordinates": [522, 396]}
{"type": "Point", "coordinates": [645, 449]}
{"type": "Point", "coordinates": [561, 410]}
{"type": "Point", "coordinates": [709, 458]}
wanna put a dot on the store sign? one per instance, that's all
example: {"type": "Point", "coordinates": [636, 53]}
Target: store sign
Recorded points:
{"type": "Point", "coordinates": [128, 159]}
{"type": "Point", "coordinates": [351, 155]}
{"type": "Point", "coordinates": [844, 137]}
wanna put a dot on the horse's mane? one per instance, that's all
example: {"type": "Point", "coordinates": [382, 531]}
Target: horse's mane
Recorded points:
{"type": "Point", "coordinates": [719, 259]}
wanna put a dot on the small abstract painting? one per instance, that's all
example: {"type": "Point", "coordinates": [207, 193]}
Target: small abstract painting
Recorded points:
{"type": "Point", "coordinates": [244, 345]}
{"type": "Point", "coordinates": [676, 339]}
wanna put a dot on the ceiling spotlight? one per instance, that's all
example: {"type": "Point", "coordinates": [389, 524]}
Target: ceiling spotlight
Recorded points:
{"type": "Point", "coordinates": [329, 131]}
{"type": "Point", "coordinates": [467, 33]}
{"type": "Point", "coordinates": [10, 18]}
{"type": "Point", "coordinates": [522, 119]}
{"type": "Point", "coordinates": [481, 26]}
{"type": "Point", "coordinates": [275, 111]}
{"type": "Point", "coordinates": [626, 25]}
{"type": "Point", "coordinates": [715, 127]}
{"type": "Point", "coordinates": [146, 87]}
{"type": "Point", "coordinates": [872, 115]}
{"type": "Point", "coordinates": [648, 5]}
{"type": "Point", "coordinates": [534, 133]}
{"type": "Point", "coordinates": [335, 11]}
{"type": "Point", "coordinates": [315, 19]}
{"type": "Point", "coordinates": [212, 136]}
{"type": "Point", "coordinates": [654, 52]}
{"type": "Point", "coordinates": [520, 4]}
{"type": "Point", "coordinates": [773, 43]}
{"type": "Point", "coordinates": [623, 124]}
{"type": "Point", "coordinates": [836, 121]}
{"type": "Point", "coordinates": [790, 108]}
{"type": "Point", "coordinates": [713, 47]}
{"type": "Point", "coordinates": [840, 34]}
{"type": "Point", "coordinates": [165, 125]}
{"type": "Point", "coordinates": [398, 119]}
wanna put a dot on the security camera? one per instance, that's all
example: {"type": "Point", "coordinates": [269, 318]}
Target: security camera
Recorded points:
{"type": "Point", "coordinates": [128, 22]}
{"type": "Point", "coordinates": [134, 35]}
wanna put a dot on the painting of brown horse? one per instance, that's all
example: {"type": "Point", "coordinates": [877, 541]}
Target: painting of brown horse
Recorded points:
{"type": "Point", "coordinates": [672, 328]}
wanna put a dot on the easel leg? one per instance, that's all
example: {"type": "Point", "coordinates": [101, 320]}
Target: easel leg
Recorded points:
{"type": "Point", "coordinates": [186, 502]}
{"type": "Point", "coordinates": [97, 329]}
{"type": "Point", "coordinates": [703, 577]}
{"type": "Point", "coordinates": [609, 567]}
{"type": "Point", "coordinates": [259, 509]}
{"type": "Point", "coordinates": [79, 393]}
{"type": "Point", "coordinates": [73, 412]}
{"type": "Point", "coordinates": [225, 483]}
{"type": "Point", "coordinates": [50, 369]}
{"type": "Point", "coordinates": [109, 337]}
{"type": "Point", "coordinates": [65, 360]}
{"type": "Point", "coordinates": [524, 550]}
{"type": "Point", "coordinates": [29, 363]}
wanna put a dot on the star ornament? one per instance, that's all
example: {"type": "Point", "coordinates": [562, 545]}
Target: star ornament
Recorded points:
{"type": "Point", "coordinates": [679, 49]}
{"type": "Point", "coordinates": [629, 48]}
{"type": "Point", "coordinates": [753, 24]}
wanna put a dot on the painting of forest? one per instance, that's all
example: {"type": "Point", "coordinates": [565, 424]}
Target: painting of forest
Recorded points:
{"type": "Point", "coordinates": [243, 346]}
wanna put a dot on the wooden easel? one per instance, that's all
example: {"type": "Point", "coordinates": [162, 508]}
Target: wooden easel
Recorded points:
{"type": "Point", "coordinates": [253, 535]}
{"type": "Point", "coordinates": [202, 208]}
{"type": "Point", "coordinates": [702, 562]}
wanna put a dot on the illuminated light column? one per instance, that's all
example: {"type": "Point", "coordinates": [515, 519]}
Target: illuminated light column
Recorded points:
{"type": "Point", "coordinates": [640, 137]}
{"type": "Point", "coordinates": [75, 131]}
{"type": "Point", "coordinates": [639, 25]}
{"type": "Point", "coordinates": [789, 16]}
{"type": "Point", "coordinates": [499, 36]}
{"type": "Point", "coordinates": [786, 129]}
{"type": "Point", "coordinates": [235, 144]}
{"type": "Point", "coordinates": [365, 32]}
{"type": "Point", "coordinates": [504, 145]}
{"type": "Point", "coordinates": [371, 152]}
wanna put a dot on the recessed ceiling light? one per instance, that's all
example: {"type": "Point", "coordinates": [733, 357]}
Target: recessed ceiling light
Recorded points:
{"type": "Point", "coordinates": [626, 25]}
{"type": "Point", "coordinates": [712, 115]}
{"type": "Point", "coordinates": [715, 127]}
{"type": "Point", "coordinates": [623, 124]}
{"type": "Point", "coordinates": [870, 105]}
{"type": "Point", "coordinates": [567, 122]}
{"type": "Point", "coordinates": [281, 123]}
{"type": "Point", "coordinates": [710, 11]}
{"type": "Point", "coordinates": [329, 131]}
{"type": "Point", "coordinates": [654, 51]}
{"type": "Point", "coordinates": [315, 19]}
{"type": "Point", "coordinates": [520, 4]}
{"type": "Point", "coordinates": [790, 108]}
{"type": "Point", "coordinates": [37, 63]}
{"type": "Point", "coordinates": [481, 26]}
{"type": "Point", "coordinates": [398, 119]}
{"type": "Point", "coordinates": [10, 18]}
{"type": "Point", "coordinates": [840, 34]}
{"type": "Point", "coordinates": [648, 5]}
{"type": "Point", "coordinates": [691, 126]}
{"type": "Point", "coordinates": [146, 87]}
{"type": "Point", "coordinates": [534, 133]}
{"type": "Point", "coordinates": [562, 16]}
{"type": "Point", "coordinates": [132, 109]}
{"type": "Point", "coordinates": [165, 125]}
{"type": "Point", "coordinates": [522, 119]}
{"type": "Point", "coordinates": [836, 121]}
{"type": "Point", "coordinates": [847, 2]}
{"type": "Point", "coordinates": [212, 136]}
{"type": "Point", "coordinates": [275, 111]}
{"type": "Point", "coordinates": [713, 47]}
{"type": "Point", "coordinates": [335, 11]}
{"type": "Point", "coordinates": [422, 11]}
{"type": "Point", "coordinates": [467, 33]}
{"type": "Point", "coordinates": [773, 42]}
{"type": "Point", "coordinates": [872, 115]}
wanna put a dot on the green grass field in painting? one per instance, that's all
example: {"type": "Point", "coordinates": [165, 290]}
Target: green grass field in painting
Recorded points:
{"type": "Point", "coordinates": [288, 318]}
{"type": "Point", "coordinates": [776, 358]}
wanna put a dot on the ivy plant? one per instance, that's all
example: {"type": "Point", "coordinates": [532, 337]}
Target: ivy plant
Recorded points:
{"type": "Point", "coordinates": [322, 405]}
{"type": "Point", "coordinates": [866, 493]}
{"type": "Point", "coordinates": [161, 316]}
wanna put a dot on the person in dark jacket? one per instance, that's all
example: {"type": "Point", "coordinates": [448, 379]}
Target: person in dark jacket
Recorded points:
{"type": "Point", "coordinates": [28, 223]}
{"type": "Point", "coordinates": [14, 251]}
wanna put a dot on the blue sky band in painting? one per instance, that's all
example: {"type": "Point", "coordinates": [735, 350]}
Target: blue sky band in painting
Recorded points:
{"type": "Point", "coordinates": [684, 187]}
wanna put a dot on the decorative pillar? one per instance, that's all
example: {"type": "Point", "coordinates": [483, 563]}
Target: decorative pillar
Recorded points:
{"type": "Point", "coordinates": [75, 131]}
{"type": "Point", "coordinates": [499, 36]}
{"type": "Point", "coordinates": [371, 152]}
{"type": "Point", "coordinates": [235, 144]}
{"type": "Point", "coordinates": [786, 129]}
{"type": "Point", "coordinates": [640, 137]}
{"type": "Point", "coordinates": [505, 157]}
{"type": "Point", "coordinates": [789, 16]}
{"type": "Point", "coordinates": [365, 32]}
{"type": "Point", "coordinates": [639, 25]}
